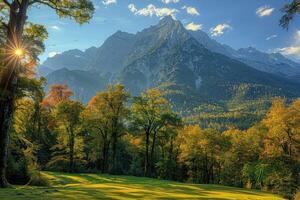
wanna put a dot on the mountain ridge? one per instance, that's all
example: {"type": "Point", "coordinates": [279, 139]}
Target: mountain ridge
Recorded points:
{"type": "Point", "coordinates": [168, 53]}
{"type": "Point", "coordinates": [104, 60]}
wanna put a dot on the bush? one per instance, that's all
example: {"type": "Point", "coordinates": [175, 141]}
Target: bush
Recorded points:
{"type": "Point", "coordinates": [17, 169]}
{"type": "Point", "coordinates": [136, 168]}
{"type": "Point", "coordinates": [38, 179]}
{"type": "Point", "coordinates": [283, 184]}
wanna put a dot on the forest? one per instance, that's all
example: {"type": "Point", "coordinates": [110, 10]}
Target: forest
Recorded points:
{"type": "Point", "coordinates": [141, 136]}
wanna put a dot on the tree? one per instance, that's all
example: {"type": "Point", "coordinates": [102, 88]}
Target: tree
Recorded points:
{"type": "Point", "coordinates": [14, 44]}
{"type": "Point", "coordinates": [282, 146]}
{"type": "Point", "coordinates": [104, 116]}
{"type": "Point", "coordinates": [245, 149]}
{"type": "Point", "coordinates": [283, 124]}
{"type": "Point", "coordinates": [167, 165]}
{"type": "Point", "coordinates": [290, 10]}
{"type": "Point", "coordinates": [46, 131]}
{"type": "Point", "coordinates": [97, 125]}
{"type": "Point", "coordinates": [68, 114]}
{"type": "Point", "coordinates": [150, 112]}
{"type": "Point", "coordinates": [202, 150]}
{"type": "Point", "coordinates": [56, 94]}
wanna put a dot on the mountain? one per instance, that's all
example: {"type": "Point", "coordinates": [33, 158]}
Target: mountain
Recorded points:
{"type": "Point", "coordinates": [274, 63]}
{"type": "Point", "coordinates": [191, 65]}
{"type": "Point", "coordinates": [73, 60]}
{"type": "Point", "coordinates": [84, 84]}
{"type": "Point", "coordinates": [115, 53]}
{"type": "Point", "coordinates": [168, 53]}
{"type": "Point", "coordinates": [111, 56]}
{"type": "Point", "coordinates": [212, 44]}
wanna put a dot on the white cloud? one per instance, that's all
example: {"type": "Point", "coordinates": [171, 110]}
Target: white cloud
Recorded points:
{"type": "Point", "coordinates": [264, 11]}
{"type": "Point", "coordinates": [191, 10]}
{"type": "Point", "coordinates": [151, 10]}
{"type": "Point", "coordinates": [292, 51]}
{"type": "Point", "coordinates": [52, 54]}
{"type": "Point", "coordinates": [193, 27]}
{"type": "Point", "coordinates": [132, 8]}
{"type": "Point", "coordinates": [271, 37]}
{"type": "Point", "coordinates": [109, 2]}
{"type": "Point", "coordinates": [170, 1]}
{"type": "Point", "coordinates": [55, 28]}
{"type": "Point", "coordinates": [219, 29]}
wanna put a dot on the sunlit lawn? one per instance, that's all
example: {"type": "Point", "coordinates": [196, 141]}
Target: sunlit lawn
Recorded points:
{"type": "Point", "coordinates": [95, 186]}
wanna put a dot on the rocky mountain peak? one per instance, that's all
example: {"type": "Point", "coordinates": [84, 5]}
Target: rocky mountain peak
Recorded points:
{"type": "Point", "coordinates": [168, 20]}
{"type": "Point", "coordinates": [121, 34]}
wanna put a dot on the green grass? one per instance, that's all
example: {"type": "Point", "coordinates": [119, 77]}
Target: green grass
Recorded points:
{"type": "Point", "coordinates": [99, 186]}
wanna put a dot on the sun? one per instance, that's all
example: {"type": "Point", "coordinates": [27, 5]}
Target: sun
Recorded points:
{"type": "Point", "coordinates": [19, 52]}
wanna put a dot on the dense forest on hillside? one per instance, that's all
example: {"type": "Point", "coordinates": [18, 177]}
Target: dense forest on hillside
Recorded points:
{"type": "Point", "coordinates": [119, 134]}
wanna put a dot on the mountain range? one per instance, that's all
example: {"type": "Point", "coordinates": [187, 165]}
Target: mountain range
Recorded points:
{"type": "Point", "coordinates": [191, 64]}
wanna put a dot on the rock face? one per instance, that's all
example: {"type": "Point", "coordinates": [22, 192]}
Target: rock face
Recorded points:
{"type": "Point", "coordinates": [168, 56]}
{"type": "Point", "coordinates": [111, 56]}
{"type": "Point", "coordinates": [273, 63]}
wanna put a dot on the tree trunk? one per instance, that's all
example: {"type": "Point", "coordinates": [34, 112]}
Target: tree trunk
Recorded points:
{"type": "Point", "coordinates": [146, 166]}
{"type": "Point", "coordinates": [152, 154]}
{"type": "Point", "coordinates": [105, 154]}
{"type": "Point", "coordinates": [8, 80]}
{"type": "Point", "coordinates": [71, 153]}
{"type": "Point", "coordinates": [114, 152]}
{"type": "Point", "coordinates": [206, 170]}
{"type": "Point", "coordinates": [6, 112]}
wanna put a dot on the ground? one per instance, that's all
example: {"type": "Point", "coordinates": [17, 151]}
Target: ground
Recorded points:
{"type": "Point", "coordinates": [99, 186]}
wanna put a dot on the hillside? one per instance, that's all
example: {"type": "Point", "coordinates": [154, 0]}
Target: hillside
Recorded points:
{"type": "Point", "coordinates": [95, 186]}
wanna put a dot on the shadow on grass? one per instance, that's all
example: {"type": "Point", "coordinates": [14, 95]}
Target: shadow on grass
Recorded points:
{"type": "Point", "coordinates": [101, 186]}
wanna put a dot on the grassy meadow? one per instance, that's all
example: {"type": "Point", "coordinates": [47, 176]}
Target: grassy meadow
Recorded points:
{"type": "Point", "coordinates": [99, 186]}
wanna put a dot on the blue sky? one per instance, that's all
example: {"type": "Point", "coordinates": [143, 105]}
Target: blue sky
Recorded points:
{"type": "Point", "coordinates": [238, 23]}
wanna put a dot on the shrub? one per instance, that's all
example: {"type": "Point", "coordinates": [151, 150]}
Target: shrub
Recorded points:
{"type": "Point", "coordinates": [17, 170]}
{"type": "Point", "coordinates": [38, 179]}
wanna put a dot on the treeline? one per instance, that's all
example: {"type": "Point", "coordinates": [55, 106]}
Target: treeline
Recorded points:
{"type": "Point", "coordinates": [119, 134]}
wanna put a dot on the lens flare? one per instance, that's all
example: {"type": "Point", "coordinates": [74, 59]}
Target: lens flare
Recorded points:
{"type": "Point", "coordinates": [19, 52]}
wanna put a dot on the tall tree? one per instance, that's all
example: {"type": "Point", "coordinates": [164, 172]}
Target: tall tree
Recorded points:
{"type": "Point", "coordinates": [283, 124]}
{"type": "Point", "coordinates": [150, 114]}
{"type": "Point", "coordinates": [56, 94]}
{"type": "Point", "coordinates": [97, 124]}
{"type": "Point", "coordinates": [14, 45]}
{"type": "Point", "coordinates": [201, 151]}
{"type": "Point", "coordinates": [282, 145]}
{"type": "Point", "coordinates": [105, 116]}
{"type": "Point", "coordinates": [68, 114]}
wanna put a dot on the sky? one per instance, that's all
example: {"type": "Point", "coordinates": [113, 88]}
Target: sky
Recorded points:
{"type": "Point", "coordinates": [237, 23]}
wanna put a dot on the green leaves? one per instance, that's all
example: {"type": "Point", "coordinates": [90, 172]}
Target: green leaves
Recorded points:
{"type": "Point", "coordinates": [68, 113]}
{"type": "Point", "coordinates": [290, 10]}
{"type": "Point", "coordinates": [79, 10]}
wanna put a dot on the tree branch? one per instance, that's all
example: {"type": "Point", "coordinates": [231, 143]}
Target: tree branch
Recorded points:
{"type": "Point", "coordinates": [33, 2]}
{"type": "Point", "coordinates": [4, 24]}
{"type": "Point", "coordinates": [18, 2]}
{"type": "Point", "coordinates": [7, 3]}
{"type": "Point", "coordinates": [50, 4]}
